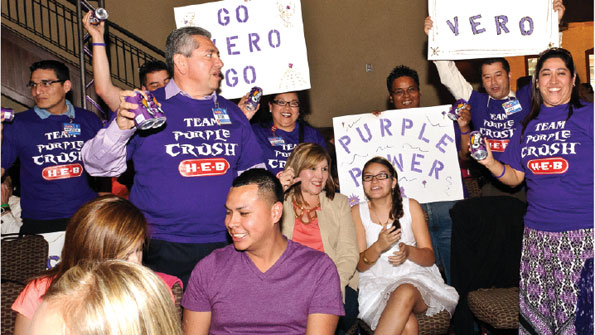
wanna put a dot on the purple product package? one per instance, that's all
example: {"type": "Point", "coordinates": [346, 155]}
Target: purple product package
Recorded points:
{"type": "Point", "coordinates": [454, 112]}
{"type": "Point", "coordinates": [478, 148]}
{"type": "Point", "coordinates": [7, 114]}
{"type": "Point", "coordinates": [253, 98]}
{"type": "Point", "coordinates": [148, 114]}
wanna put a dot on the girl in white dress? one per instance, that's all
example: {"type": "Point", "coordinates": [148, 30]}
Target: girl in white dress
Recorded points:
{"type": "Point", "coordinates": [398, 278]}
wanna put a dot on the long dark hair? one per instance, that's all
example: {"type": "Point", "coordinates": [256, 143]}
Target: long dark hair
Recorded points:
{"type": "Point", "coordinates": [537, 99]}
{"type": "Point", "coordinates": [396, 211]}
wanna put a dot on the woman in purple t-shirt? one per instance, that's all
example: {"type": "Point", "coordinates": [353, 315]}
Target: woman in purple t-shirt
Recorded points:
{"type": "Point", "coordinates": [553, 153]}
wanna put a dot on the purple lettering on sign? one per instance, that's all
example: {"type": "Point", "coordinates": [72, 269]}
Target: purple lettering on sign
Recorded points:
{"type": "Point", "coordinates": [230, 45]}
{"type": "Point", "coordinates": [366, 140]}
{"type": "Point", "coordinates": [407, 124]}
{"type": "Point", "coordinates": [229, 77]}
{"type": "Point", "coordinates": [223, 20]}
{"type": "Point", "coordinates": [384, 126]}
{"type": "Point", "coordinates": [524, 31]}
{"type": "Point", "coordinates": [344, 141]}
{"type": "Point", "coordinates": [397, 161]}
{"type": "Point", "coordinates": [474, 25]}
{"type": "Point", "coordinates": [355, 173]}
{"type": "Point", "coordinates": [455, 27]}
{"type": "Point", "coordinates": [421, 134]}
{"type": "Point", "coordinates": [501, 21]}
{"type": "Point", "coordinates": [442, 142]}
{"type": "Point", "coordinates": [253, 39]}
{"type": "Point", "coordinates": [437, 166]}
{"type": "Point", "coordinates": [247, 69]}
{"type": "Point", "coordinates": [415, 163]}
{"type": "Point", "coordinates": [278, 38]}
{"type": "Point", "coordinates": [239, 10]}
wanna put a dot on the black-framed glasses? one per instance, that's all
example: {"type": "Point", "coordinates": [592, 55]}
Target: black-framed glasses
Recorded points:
{"type": "Point", "coordinates": [380, 176]}
{"type": "Point", "coordinates": [43, 83]}
{"type": "Point", "coordinates": [282, 103]}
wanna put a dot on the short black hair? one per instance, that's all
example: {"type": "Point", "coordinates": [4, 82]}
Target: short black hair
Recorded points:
{"type": "Point", "coordinates": [59, 68]}
{"type": "Point", "coordinates": [268, 185]}
{"type": "Point", "coordinates": [401, 71]}
{"type": "Point", "coordinates": [490, 61]}
{"type": "Point", "coordinates": [150, 67]}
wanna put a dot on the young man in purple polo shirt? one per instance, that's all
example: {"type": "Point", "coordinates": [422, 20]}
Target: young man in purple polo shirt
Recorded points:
{"type": "Point", "coordinates": [47, 140]}
{"type": "Point", "coordinates": [182, 170]}
{"type": "Point", "coordinates": [263, 283]}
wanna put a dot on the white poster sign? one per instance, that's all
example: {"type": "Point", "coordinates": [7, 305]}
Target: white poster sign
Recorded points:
{"type": "Point", "coordinates": [261, 43]}
{"type": "Point", "coordinates": [465, 29]}
{"type": "Point", "coordinates": [56, 243]}
{"type": "Point", "coordinates": [419, 142]}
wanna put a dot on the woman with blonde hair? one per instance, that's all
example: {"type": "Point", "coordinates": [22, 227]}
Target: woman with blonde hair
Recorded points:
{"type": "Point", "coordinates": [317, 217]}
{"type": "Point", "coordinates": [114, 297]}
{"type": "Point", "coordinates": [108, 227]}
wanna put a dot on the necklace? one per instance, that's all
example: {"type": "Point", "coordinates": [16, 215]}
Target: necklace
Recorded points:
{"type": "Point", "coordinates": [378, 217]}
{"type": "Point", "coordinates": [306, 215]}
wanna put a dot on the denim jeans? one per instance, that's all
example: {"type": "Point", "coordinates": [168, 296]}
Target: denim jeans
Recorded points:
{"type": "Point", "coordinates": [440, 227]}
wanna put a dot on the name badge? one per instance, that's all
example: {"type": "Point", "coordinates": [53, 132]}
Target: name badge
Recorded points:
{"type": "Point", "coordinates": [512, 106]}
{"type": "Point", "coordinates": [276, 141]}
{"type": "Point", "coordinates": [221, 116]}
{"type": "Point", "coordinates": [72, 129]}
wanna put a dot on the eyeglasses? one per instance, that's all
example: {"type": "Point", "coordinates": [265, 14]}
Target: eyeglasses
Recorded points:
{"type": "Point", "coordinates": [282, 103]}
{"type": "Point", "coordinates": [380, 176]}
{"type": "Point", "coordinates": [43, 83]}
{"type": "Point", "coordinates": [410, 90]}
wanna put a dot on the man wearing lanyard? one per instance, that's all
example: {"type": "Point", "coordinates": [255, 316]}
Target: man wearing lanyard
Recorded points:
{"type": "Point", "coordinates": [183, 169]}
{"type": "Point", "coordinates": [47, 140]}
{"type": "Point", "coordinates": [496, 113]}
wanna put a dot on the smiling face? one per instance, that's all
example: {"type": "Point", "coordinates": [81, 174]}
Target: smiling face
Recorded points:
{"type": "Point", "coordinates": [285, 117]}
{"type": "Point", "coordinates": [495, 80]}
{"type": "Point", "coordinates": [404, 93]}
{"type": "Point", "coordinates": [52, 98]}
{"type": "Point", "coordinates": [555, 82]}
{"type": "Point", "coordinates": [155, 80]}
{"type": "Point", "coordinates": [251, 220]}
{"type": "Point", "coordinates": [313, 179]}
{"type": "Point", "coordinates": [377, 189]}
{"type": "Point", "coordinates": [203, 67]}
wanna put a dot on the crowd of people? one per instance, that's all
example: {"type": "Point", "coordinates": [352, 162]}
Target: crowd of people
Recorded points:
{"type": "Point", "coordinates": [248, 218]}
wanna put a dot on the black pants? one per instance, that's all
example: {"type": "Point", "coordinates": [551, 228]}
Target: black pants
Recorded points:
{"type": "Point", "coordinates": [31, 226]}
{"type": "Point", "coordinates": [177, 259]}
{"type": "Point", "coordinates": [351, 311]}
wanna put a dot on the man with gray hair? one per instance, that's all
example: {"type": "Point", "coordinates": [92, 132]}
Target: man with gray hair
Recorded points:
{"type": "Point", "coordinates": [182, 170]}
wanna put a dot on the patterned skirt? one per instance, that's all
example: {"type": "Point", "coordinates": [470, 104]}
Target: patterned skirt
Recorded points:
{"type": "Point", "coordinates": [551, 264]}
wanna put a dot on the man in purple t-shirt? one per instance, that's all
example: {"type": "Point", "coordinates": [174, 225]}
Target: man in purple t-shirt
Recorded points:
{"type": "Point", "coordinates": [47, 141]}
{"type": "Point", "coordinates": [183, 169]}
{"type": "Point", "coordinates": [263, 283]}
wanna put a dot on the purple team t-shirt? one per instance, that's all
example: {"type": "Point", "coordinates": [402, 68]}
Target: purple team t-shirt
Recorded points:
{"type": "Point", "coordinates": [244, 300]}
{"type": "Point", "coordinates": [556, 156]}
{"type": "Point", "coordinates": [492, 119]}
{"type": "Point", "coordinates": [183, 171]}
{"type": "Point", "coordinates": [277, 152]}
{"type": "Point", "coordinates": [53, 181]}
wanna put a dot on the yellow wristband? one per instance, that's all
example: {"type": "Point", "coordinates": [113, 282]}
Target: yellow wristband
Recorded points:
{"type": "Point", "coordinates": [366, 260]}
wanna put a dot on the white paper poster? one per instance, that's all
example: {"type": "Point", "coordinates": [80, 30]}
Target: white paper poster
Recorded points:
{"type": "Point", "coordinates": [419, 142]}
{"type": "Point", "coordinates": [261, 43]}
{"type": "Point", "coordinates": [465, 29]}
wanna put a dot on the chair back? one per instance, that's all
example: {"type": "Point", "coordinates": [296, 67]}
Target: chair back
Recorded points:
{"type": "Point", "coordinates": [23, 257]}
{"type": "Point", "coordinates": [10, 292]}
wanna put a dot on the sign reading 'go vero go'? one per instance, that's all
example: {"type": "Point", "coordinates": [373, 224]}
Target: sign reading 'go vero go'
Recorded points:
{"type": "Point", "coordinates": [261, 43]}
{"type": "Point", "coordinates": [465, 29]}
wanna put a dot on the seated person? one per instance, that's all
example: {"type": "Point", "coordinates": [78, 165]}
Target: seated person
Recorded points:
{"type": "Point", "coordinates": [110, 298]}
{"type": "Point", "coordinates": [107, 227]}
{"type": "Point", "coordinates": [263, 283]}
{"type": "Point", "coordinates": [319, 218]}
